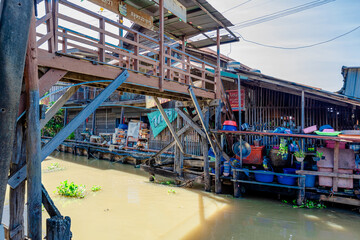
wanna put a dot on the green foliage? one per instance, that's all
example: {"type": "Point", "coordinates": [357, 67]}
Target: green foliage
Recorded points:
{"type": "Point", "coordinates": [171, 191]}
{"type": "Point", "coordinates": [54, 167]}
{"type": "Point", "coordinates": [299, 154]}
{"type": "Point", "coordinates": [95, 188]}
{"type": "Point", "coordinates": [71, 136]}
{"type": "Point", "coordinates": [307, 204]}
{"type": "Point", "coordinates": [319, 154]}
{"type": "Point", "coordinates": [55, 124]}
{"type": "Point", "coordinates": [283, 148]}
{"type": "Point", "coordinates": [71, 189]}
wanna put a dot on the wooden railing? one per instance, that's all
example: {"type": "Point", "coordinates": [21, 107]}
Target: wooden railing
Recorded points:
{"type": "Point", "coordinates": [131, 54]}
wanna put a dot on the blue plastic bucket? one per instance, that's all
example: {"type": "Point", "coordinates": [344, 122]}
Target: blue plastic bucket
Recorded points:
{"type": "Point", "coordinates": [229, 128]}
{"type": "Point", "coordinates": [263, 177]}
{"type": "Point", "coordinates": [310, 181]}
{"type": "Point", "coordinates": [286, 180]}
{"type": "Point", "coordinates": [289, 170]}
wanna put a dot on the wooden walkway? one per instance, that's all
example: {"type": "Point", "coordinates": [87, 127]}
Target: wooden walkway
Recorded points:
{"type": "Point", "coordinates": [155, 69]}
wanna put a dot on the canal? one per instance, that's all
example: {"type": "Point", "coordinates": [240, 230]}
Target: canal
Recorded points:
{"type": "Point", "coordinates": [130, 207]}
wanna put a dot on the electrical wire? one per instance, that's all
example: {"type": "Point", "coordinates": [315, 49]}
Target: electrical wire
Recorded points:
{"type": "Point", "coordinates": [232, 8]}
{"type": "Point", "coordinates": [279, 14]}
{"type": "Point", "coordinates": [300, 47]}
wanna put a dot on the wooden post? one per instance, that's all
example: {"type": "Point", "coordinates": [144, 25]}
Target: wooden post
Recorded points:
{"type": "Point", "coordinates": [218, 68]}
{"type": "Point", "coordinates": [49, 26]}
{"type": "Point", "coordinates": [183, 48]}
{"type": "Point", "coordinates": [33, 140]}
{"type": "Point", "coordinates": [336, 165]}
{"type": "Point", "coordinates": [58, 228]}
{"type": "Point", "coordinates": [55, 11]}
{"type": "Point", "coordinates": [64, 41]}
{"type": "Point", "coordinates": [14, 28]}
{"type": "Point", "coordinates": [17, 195]}
{"type": "Point", "coordinates": [217, 151]}
{"type": "Point", "coordinates": [136, 51]}
{"type": "Point", "coordinates": [301, 192]}
{"type": "Point", "coordinates": [237, 188]}
{"type": "Point", "coordinates": [177, 150]}
{"type": "Point", "coordinates": [65, 116]}
{"type": "Point", "coordinates": [205, 150]}
{"type": "Point", "coordinates": [93, 124]}
{"type": "Point", "coordinates": [302, 123]}
{"type": "Point", "coordinates": [162, 47]}
{"type": "Point", "coordinates": [102, 40]}
{"type": "Point", "coordinates": [122, 115]}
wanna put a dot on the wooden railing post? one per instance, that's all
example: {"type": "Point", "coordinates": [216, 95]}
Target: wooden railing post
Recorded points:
{"type": "Point", "coordinates": [203, 75]}
{"type": "Point", "coordinates": [55, 11]}
{"type": "Point", "coordinates": [161, 42]}
{"type": "Point", "coordinates": [102, 40]}
{"type": "Point", "coordinates": [49, 26]}
{"type": "Point", "coordinates": [183, 45]}
{"type": "Point", "coordinates": [136, 51]}
{"type": "Point", "coordinates": [188, 68]}
{"type": "Point", "coordinates": [64, 42]}
{"type": "Point", "coordinates": [168, 71]}
{"type": "Point", "coordinates": [218, 69]}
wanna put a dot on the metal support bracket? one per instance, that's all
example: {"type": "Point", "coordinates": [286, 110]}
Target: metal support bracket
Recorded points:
{"type": "Point", "coordinates": [20, 176]}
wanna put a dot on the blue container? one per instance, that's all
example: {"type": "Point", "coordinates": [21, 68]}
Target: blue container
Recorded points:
{"type": "Point", "coordinates": [229, 128]}
{"type": "Point", "coordinates": [123, 126]}
{"type": "Point", "coordinates": [310, 181]}
{"type": "Point", "coordinates": [263, 177]}
{"type": "Point", "coordinates": [286, 180]}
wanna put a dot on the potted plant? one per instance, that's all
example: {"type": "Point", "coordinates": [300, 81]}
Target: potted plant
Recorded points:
{"type": "Point", "coordinates": [300, 155]}
{"type": "Point", "coordinates": [283, 149]}
{"type": "Point", "coordinates": [318, 156]}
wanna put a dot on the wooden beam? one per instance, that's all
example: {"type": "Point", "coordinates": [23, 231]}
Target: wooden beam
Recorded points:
{"type": "Point", "coordinates": [49, 204]}
{"type": "Point", "coordinates": [161, 45]}
{"type": "Point", "coordinates": [168, 123]}
{"type": "Point", "coordinates": [49, 79]}
{"type": "Point", "coordinates": [218, 83]}
{"type": "Point", "coordinates": [57, 105]}
{"type": "Point", "coordinates": [135, 80]}
{"type": "Point", "coordinates": [33, 138]}
{"type": "Point", "coordinates": [20, 176]}
{"type": "Point", "coordinates": [341, 200]}
{"type": "Point", "coordinates": [205, 150]}
{"type": "Point", "coordinates": [189, 121]}
{"type": "Point", "coordinates": [336, 165]}
{"type": "Point", "coordinates": [329, 174]}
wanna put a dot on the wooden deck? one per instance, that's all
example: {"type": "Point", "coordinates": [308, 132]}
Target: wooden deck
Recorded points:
{"type": "Point", "coordinates": [77, 56]}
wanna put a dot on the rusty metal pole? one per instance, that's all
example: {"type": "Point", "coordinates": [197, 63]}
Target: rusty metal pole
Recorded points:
{"type": "Point", "coordinates": [33, 141]}
{"type": "Point", "coordinates": [162, 47]}
{"type": "Point", "coordinates": [14, 28]}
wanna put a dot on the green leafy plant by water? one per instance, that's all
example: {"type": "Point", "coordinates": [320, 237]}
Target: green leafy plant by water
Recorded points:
{"type": "Point", "coordinates": [307, 204]}
{"type": "Point", "coordinates": [55, 124]}
{"type": "Point", "coordinates": [171, 191]}
{"type": "Point", "coordinates": [95, 188]}
{"type": "Point", "coordinates": [71, 189]}
{"type": "Point", "coordinates": [54, 167]}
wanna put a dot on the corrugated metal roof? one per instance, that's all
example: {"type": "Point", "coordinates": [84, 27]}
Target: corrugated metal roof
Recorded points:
{"type": "Point", "coordinates": [351, 81]}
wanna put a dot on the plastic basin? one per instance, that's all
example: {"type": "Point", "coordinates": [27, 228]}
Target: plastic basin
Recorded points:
{"type": "Point", "coordinates": [286, 180]}
{"type": "Point", "coordinates": [260, 176]}
{"type": "Point", "coordinates": [289, 170]}
{"type": "Point", "coordinates": [229, 128]}
{"type": "Point", "coordinates": [310, 181]}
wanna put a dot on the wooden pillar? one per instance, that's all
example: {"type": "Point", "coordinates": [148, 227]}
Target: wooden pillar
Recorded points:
{"type": "Point", "coordinates": [14, 16]}
{"type": "Point", "coordinates": [33, 140]}
{"type": "Point", "coordinates": [302, 123]}
{"type": "Point", "coordinates": [49, 26]}
{"type": "Point", "coordinates": [162, 47]}
{"type": "Point", "coordinates": [205, 150]}
{"type": "Point", "coordinates": [336, 165]}
{"type": "Point", "coordinates": [93, 124]}
{"type": "Point", "coordinates": [102, 40]}
{"type": "Point", "coordinates": [17, 195]}
{"type": "Point", "coordinates": [177, 149]}
{"type": "Point", "coordinates": [55, 11]}
{"type": "Point", "coordinates": [217, 151]}
{"type": "Point", "coordinates": [65, 116]}
{"type": "Point", "coordinates": [183, 48]}
{"type": "Point", "coordinates": [58, 228]}
{"type": "Point", "coordinates": [237, 188]}
{"type": "Point", "coordinates": [122, 115]}
{"type": "Point", "coordinates": [301, 192]}
{"type": "Point", "coordinates": [218, 69]}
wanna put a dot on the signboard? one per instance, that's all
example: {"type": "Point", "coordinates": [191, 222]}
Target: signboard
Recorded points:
{"type": "Point", "coordinates": [175, 8]}
{"type": "Point", "coordinates": [133, 129]}
{"type": "Point", "coordinates": [127, 11]}
{"type": "Point", "coordinates": [157, 122]}
{"type": "Point", "coordinates": [234, 100]}
{"type": "Point", "coordinates": [150, 102]}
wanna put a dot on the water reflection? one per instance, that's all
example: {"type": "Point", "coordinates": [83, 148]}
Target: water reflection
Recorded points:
{"type": "Point", "coordinates": [129, 207]}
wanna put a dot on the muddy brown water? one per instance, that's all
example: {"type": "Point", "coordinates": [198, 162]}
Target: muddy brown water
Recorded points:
{"type": "Point", "coordinates": [130, 207]}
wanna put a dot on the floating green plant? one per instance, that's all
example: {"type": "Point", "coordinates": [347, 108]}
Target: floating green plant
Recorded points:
{"type": "Point", "coordinates": [95, 188]}
{"type": "Point", "coordinates": [71, 189]}
{"type": "Point", "coordinates": [307, 204]}
{"type": "Point", "coordinates": [171, 191]}
{"type": "Point", "coordinates": [54, 167]}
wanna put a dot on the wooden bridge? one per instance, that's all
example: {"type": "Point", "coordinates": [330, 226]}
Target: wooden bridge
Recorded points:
{"type": "Point", "coordinates": [61, 43]}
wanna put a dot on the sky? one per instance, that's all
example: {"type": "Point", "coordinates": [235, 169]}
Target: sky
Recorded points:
{"type": "Point", "coordinates": [318, 66]}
